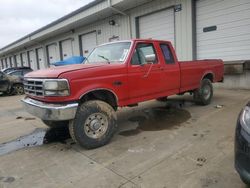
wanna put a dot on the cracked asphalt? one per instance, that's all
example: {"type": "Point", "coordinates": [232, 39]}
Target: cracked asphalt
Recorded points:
{"type": "Point", "coordinates": [174, 144]}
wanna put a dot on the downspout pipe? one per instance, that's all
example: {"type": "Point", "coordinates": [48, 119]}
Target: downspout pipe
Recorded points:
{"type": "Point", "coordinates": [122, 13]}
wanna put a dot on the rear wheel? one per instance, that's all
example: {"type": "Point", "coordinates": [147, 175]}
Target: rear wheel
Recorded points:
{"type": "Point", "coordinates": [54, 124]}
{"type": "Point", "coordinates": [94, 124]}
{"type": "Point", "coordinates": [204, 94]}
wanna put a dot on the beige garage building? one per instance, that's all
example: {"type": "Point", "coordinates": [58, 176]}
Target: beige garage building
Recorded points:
{"type": "Point", "coordinates": [198, 29]}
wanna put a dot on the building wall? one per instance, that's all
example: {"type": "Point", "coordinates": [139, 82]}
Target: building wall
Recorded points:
{"type": "Point", "coordinates": [234, 81]}
{"type": "Point", "coordinates": [183, 23]}
{"type": "Point", "coordinates": [125, 28]}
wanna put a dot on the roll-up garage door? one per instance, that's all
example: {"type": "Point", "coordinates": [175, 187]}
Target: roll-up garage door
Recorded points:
{"type": "Point", "coordinates": [40, 58]}
{"type": "Point", "coordinates": [223, 29]}
{"type": "Point", "coordinates": [10, 60]}
{"type": "Point", "coordinates": [7, 62]}
{"type": "Point", "coordinates": [53, 55]}
{"type": "Point", "coordinates": [32, 59]}
{"type": "Point", "coordinates": [2, 65]}
{"type": "Point", "coordinates": [13, 61]}
{"type": "Point", "coordinates": [18, 60]}
{"type": "Point", "coordinates": [159, 25]}
{"type": "Point", "coordinates": [66, 49]}
{"type": "Point", "coordinates": [88, 43]}
{"type": "Point", "coordinates": [7, 59]}
{"type": "Point", "coordinates": [25, 59]}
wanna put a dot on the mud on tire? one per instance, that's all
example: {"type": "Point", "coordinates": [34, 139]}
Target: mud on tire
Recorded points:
{"type": "Point", "coordinates": [94, 125]}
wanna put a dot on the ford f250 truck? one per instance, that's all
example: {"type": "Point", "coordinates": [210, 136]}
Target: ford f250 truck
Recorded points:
{"type": "Point", "coordinates": [85, 97]}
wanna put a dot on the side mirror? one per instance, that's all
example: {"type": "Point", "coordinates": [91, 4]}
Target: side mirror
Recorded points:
{"type": "Point", "coordinates": [150, 58]}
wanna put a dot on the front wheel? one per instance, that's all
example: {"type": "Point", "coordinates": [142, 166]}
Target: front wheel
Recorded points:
{"type": "Point", "coordinates": [94, 125]}
{"type": "Point", "coordinates": [204, 94]}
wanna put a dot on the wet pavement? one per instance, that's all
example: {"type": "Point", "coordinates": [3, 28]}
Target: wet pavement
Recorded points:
{"type": "Point", "coordinates": [158, 144]}
{"type": "Point", "coordinates": [157, 119]}
{"type": "Point", "coordinates": [38, 137]}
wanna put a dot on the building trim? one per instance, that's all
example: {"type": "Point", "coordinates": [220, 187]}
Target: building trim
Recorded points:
{"type": "Point", "coordinates": [194, 34]}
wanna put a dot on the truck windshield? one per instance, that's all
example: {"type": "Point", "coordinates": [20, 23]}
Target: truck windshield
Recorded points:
{"type": "Point", "coordinates": [109, 53]}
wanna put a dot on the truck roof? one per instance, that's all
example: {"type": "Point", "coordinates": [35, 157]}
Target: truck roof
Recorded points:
{"type": "Point", "coordinates": [134, 40]}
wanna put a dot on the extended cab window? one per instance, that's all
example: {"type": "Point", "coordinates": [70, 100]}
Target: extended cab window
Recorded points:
{"type": "Point", "coordinates": [168, 56]}
{"type": "Point", "coordinates": [142, 52]}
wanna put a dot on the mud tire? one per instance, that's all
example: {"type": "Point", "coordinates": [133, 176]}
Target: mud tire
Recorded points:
{"type": "Point", "coordinates": [204, 94]}
{"type": "Point", "coordinates": [86, 110]}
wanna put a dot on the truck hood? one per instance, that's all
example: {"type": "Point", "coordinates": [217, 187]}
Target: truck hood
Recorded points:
{"type": "Point", "coordinates": [55, 72]}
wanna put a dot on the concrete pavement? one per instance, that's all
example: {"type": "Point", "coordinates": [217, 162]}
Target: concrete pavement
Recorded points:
{"type": "Point", "coordinates": [176, 144]}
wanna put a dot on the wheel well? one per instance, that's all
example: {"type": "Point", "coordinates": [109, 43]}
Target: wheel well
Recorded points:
{"type": "Point", "coordinates": [209, 76]}
{"type": "Point", "coordinates": [103, 95]}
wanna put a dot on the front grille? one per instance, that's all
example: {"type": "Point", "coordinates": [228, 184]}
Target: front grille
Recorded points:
{"type": "Point", "coordinates": [33, 87]}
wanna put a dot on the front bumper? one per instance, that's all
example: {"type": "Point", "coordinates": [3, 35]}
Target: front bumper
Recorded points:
{"type": "Point", "coordinates": [50, 112]}
{"type": "Point", "coordinates": [242, 153]}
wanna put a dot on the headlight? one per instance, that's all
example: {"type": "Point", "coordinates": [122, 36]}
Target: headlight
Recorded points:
{"type": "Point", "coordinates": [245, 119]}
{"type": "Point", "coordinates": [58, 87]}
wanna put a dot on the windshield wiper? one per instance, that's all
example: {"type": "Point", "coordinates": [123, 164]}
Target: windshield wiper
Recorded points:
{"type": "Point", "coordinates": [86, 59]}
{"type": "Point", "coordinates": [101, 56]}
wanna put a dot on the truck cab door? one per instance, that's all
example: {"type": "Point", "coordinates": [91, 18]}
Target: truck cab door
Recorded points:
{"type": "Point", "coordinates": [171, 69]}
{"type": "Point", "coordinates": [144, 72]}
{"type": "Point", "coordinates": [4, 82]}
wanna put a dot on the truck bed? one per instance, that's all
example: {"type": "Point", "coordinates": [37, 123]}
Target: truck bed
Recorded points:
{"type": "Point", "coordinates": [193, 71]}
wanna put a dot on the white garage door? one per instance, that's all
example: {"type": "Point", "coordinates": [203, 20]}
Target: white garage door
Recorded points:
{"type": "Point", "coordinates": [10, 60]}
{"type": "Point", "coordinates": [53, 55]}
{"type": "Point", "coordinates": [40, 58]}
{"type": "Point", "coordinates": [18, 60]}
{"type": "Point", "coordinates": [66, 49]}
{"type": "Point", "coordinates": [223, 29]}
{"type": "Point", "coordinates": [158, 25]}
{"type": "Point", "coordinates": [88, 43]}
{"type": "Point", "coordinates": [13, 61]}
{"type": "Point", "coordinates": [32, 59]}
{"type": "Point", "coordinates": [25, 59]}
{"type": "Point", "coordinates": [2, 65]}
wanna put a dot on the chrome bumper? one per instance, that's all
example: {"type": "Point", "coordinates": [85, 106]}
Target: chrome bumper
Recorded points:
{"type": "Point", "coordinates": [47, 111]}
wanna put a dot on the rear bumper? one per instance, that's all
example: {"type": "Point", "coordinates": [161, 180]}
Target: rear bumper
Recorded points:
{"type": "Point", "coordinates": [50, 112]}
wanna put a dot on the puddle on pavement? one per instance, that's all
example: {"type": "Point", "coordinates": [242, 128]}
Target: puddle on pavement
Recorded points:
{"type": "Point", "coordinates": [157, 119]}
{"type": "Point", "coordinates": [36, 138]}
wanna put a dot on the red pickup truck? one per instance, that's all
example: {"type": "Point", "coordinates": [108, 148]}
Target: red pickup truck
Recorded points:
{"type": "Point", "coordinates": [86, 96]}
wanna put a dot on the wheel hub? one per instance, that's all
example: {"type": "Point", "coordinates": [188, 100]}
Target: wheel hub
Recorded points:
{"type": "Point", "coordinates": [96, 125]}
